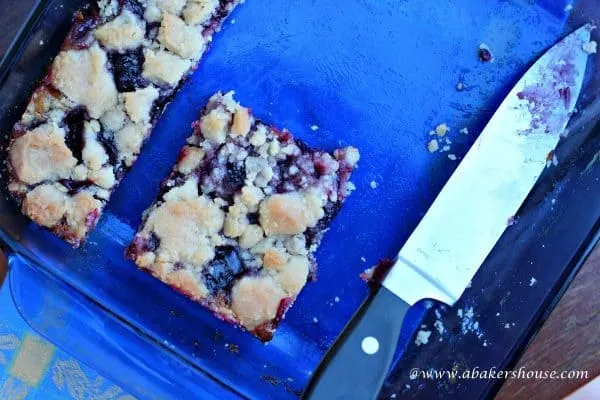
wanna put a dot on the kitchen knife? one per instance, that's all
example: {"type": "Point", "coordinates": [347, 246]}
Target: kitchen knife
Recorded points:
{"type": "Point", "coordinates": [464, 223]}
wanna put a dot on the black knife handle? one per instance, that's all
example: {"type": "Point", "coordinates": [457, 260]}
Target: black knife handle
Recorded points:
{"type": "Point", "coordinates": [347, 371]}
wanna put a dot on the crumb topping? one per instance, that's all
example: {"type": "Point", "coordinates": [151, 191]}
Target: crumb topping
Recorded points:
{"type": "Point", "coordinates": [290, 213]}
{"type": "Point", "coordinates": [256, 300]}
{"type": "Point", "coordinates": [46, 205]}
{"type": "Point", "coordinates": [180, 38]}
{"type": "Point", "coordinates": [41, 155]}
{"type": "Point", "coordinates": [138, 104]}
{"type": "Point", "coordinates": [164, 67]}
{"type": "Point", "coordinates": [122, 33]}
{"type": "Point", "coordinates": [83, 76]}
{"type": "Point", "coordinates": [199, 11]}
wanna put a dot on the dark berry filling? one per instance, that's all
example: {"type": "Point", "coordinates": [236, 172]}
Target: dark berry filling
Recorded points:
{"type": "Point", "coordinates": [74, 124]}
{"type": "Point", "coordinates": [152, 30]}
{"type": "Point", "coordinates": [173, 180]}
{"type": "Point", "coordinates": [80, 36]}
{"type": "Point", "coordinates": [141, 245]}
{"type": "Point", "coordinates": [75, 186]}
{"type": "Point", "coordinates": [127, 70]}
{"type": "Point", "coordinates": [234, 180]}
{"type": "Point", "coordinates": [313, 235]}
{"type": "Point", "coordinates": [106, 140]}
{"type": "Point", "coordinates": [252, 218]}
{"type": "Point", "coordinates": [134, 6]}
{"type": "Point", "coordinates": [223, 270]}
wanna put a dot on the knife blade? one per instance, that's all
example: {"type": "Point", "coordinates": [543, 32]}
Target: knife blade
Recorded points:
{"type": "Point", "coordinates": [464, 222]}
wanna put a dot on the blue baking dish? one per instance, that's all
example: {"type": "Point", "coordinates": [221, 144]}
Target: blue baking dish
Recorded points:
{"type": "Point", "coordinates": [375, 74]}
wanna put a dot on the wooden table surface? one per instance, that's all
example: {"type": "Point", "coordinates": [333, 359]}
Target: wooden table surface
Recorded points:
{"type": "Point", "coordinates": [569, 340]}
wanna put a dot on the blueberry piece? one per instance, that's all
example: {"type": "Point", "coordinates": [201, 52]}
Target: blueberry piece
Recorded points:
{"type": "Point", "coordinates": [134, 6]}
{"type": "Point", "coordinates": [236, 175]}
{"type": "Point", "coordinates": [110, 147]}
{"type": "Point", "coordinates": [127, 70]}
{"type": "Point", "coordinates": [80, 35]}
{"type": "Point", "coordinates": [252, 218]}
{"type": "Point", "coordinates": [220, 273]}
{"type": "Point", "coordinates": [74, 123]}
{"type": "Point", "coordinates": [152, 243]}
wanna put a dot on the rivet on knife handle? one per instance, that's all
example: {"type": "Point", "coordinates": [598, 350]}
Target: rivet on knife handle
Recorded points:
{"type": "Point", "coordinates": [357, 363]}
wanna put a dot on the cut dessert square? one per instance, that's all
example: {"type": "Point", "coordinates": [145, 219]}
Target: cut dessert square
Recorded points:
{"type": "Point", "coordinates": [241, 215]}
{"type": "Point", "coordinates": [86, 122]}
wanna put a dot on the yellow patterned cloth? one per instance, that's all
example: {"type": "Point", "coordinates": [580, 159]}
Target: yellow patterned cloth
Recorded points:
{"type": "Point", "coordinates": [32, 368]}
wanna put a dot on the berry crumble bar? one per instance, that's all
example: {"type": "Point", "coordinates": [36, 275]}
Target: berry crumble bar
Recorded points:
{"type": "Point", "coordinates": [120, 65]}
{"type": "Point", "coordinates": [240, 216]}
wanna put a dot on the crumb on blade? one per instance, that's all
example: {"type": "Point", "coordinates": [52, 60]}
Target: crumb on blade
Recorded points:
{"type": "Point", "coordinates": [433, 146]}
{"type": "Point", "coordinates": [422, 337]}
{"type": "Point", "coordinates": [590, 47]}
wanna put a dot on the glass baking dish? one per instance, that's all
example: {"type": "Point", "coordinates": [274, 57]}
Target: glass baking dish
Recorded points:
{"type": "Point", "coordinates": [375, 74]}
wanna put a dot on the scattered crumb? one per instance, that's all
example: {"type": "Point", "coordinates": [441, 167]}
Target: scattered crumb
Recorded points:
{"type": "Point", "coordinates": [507, 325]}
{"type": "Point", "coordinates": [485, 55]}
{"type": "Point", "coordinates": [468, 323]}
{"type": "Point", "coordinates": [315, 320]}
{"type": "Point", "coordinates": [460, 86]}
{"type": "Point", "coordinates": [314, 128]}
{"type": "Point", "coordinates": [551, 159]}
{"type": "Point", "coordinates": [532, 281]}
{"type": "Point", "coordinates": [553, 201]}
{"type": "Point", "coordinates": [485, 343]}
{"type": "Point", "coordinates": [464, 131]}
{"type": "Point", "coordinates": [590, 47]}
{"type": "Point", "coordinates": [431, 133]}
{"type": "Point", "coordinates": [511, 220]}
{"type": "Point", "coordinates": [497, 314]}
{"type": "Point", "coordinates": [373, 185]}
{"type": "Point", "coordinates": [363, 259]}
{"type": "Point", "coordinates": [433, 146]}
{"type": "Point", "coordinates": [568, 7]}
{"type": "Point", "coordinates": [442, 129]}
{"type": "Point", "coordinates": [446, 148]}
{"type": "Point", "coordinates": [232, 21]}
{"type": "Point", "coordinates": [452, 157]}
{"type": "Point", "coordinates": [336, 299]}
{"type": "Point", "coordinates": [469, 285]}
{"type": "Point", "coordinates": [459, 313]}
{"type": "Point", "coordinates": [393, 396]}
{"type": "Point", "coordinates": [41, 42]}
{"type": "Point", "coordinates": [422, 337]}
{"type": "Point", "coordinates": [233, 348]}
